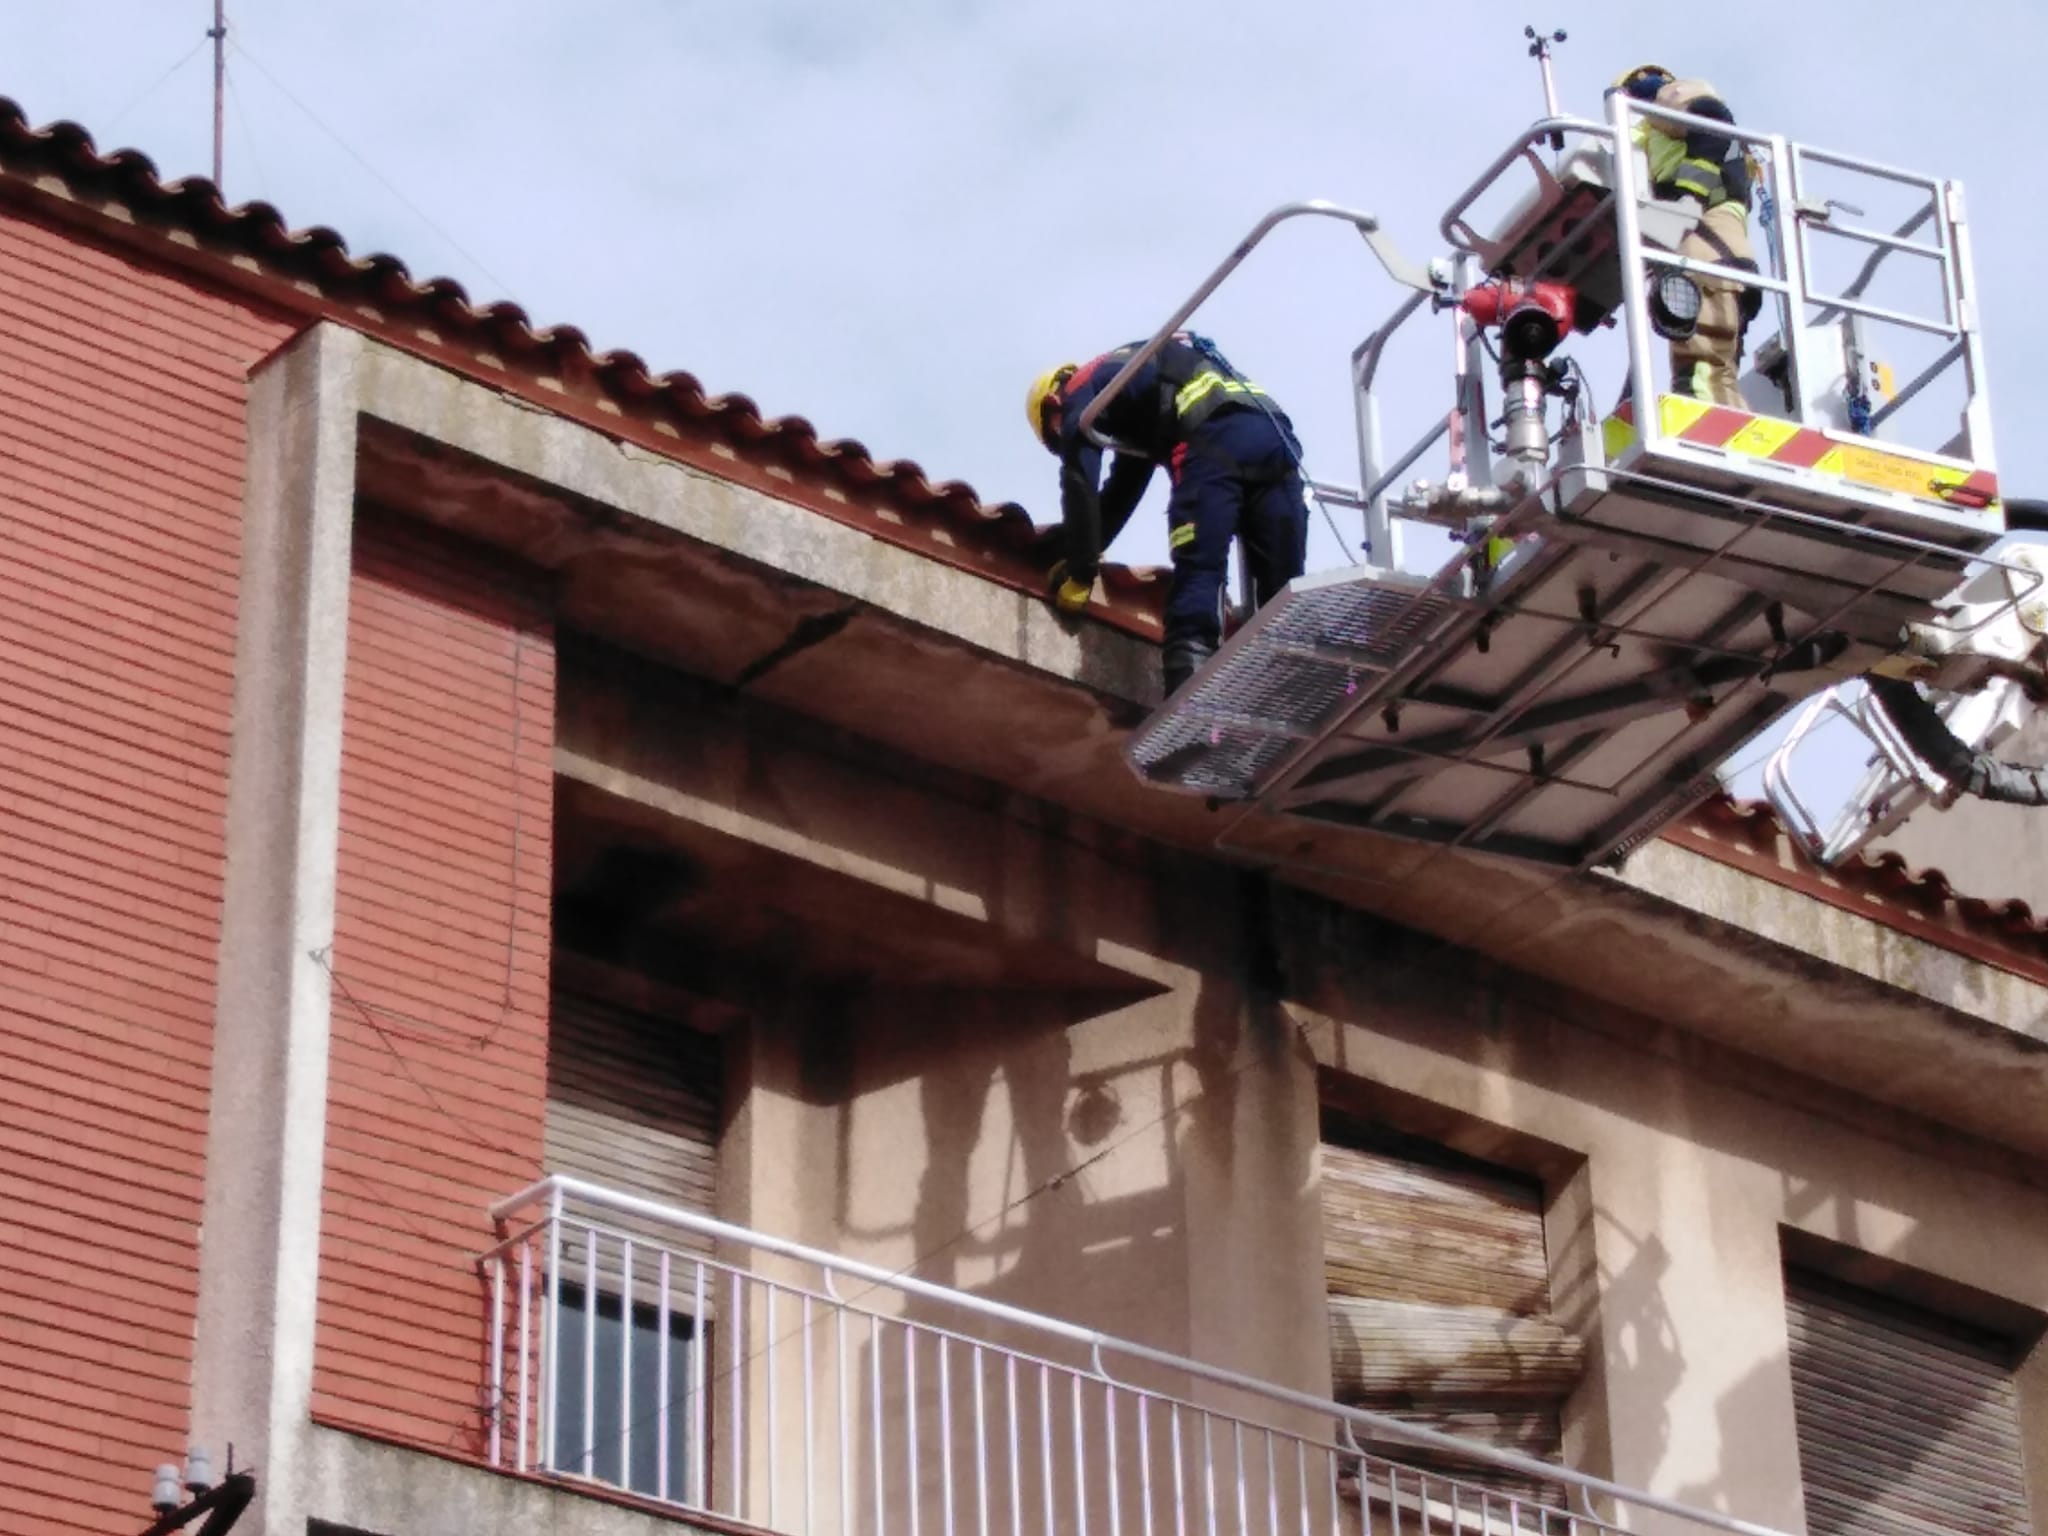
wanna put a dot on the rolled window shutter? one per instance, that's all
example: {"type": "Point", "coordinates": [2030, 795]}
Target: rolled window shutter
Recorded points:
{"type": "Point", "coordinates": [634, 1105]}
{"type": "Point", "coordinates": [1439, 1299]}
{"type": "Point", "coordinates": [1908, 1425]}
{"type": "Point", "coordinates": [1398, 1229]}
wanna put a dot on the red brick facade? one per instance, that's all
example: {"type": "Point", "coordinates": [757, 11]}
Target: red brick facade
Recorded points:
{"type": "Point", "coordinates": [122, 401]}
{"type": "Point", "coordinates": [438, 1073]}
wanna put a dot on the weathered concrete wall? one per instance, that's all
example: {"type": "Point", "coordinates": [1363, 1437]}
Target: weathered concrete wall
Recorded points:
{"type": "Point", "coordinates": [1094, 997]}
{"type": "Point", "coordinates": [1697, 1163]}
{"type": "Point", "coordinates": [1082, 1102]}
{"type": "Point", "coordinates": [1147, 1166]}
{"type": "Point", "coordinates": [362, 1487]}
{"type": "Point", "coordinates": [252, 1369]}
{"type": "Point", "coordinates": [920, 1121]}
{"type": "Point", "coordinates": [1144, 1170]}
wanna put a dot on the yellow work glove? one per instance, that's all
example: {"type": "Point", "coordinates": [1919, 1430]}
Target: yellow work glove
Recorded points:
{"type": "Point", "coordinates": [1068, 595]}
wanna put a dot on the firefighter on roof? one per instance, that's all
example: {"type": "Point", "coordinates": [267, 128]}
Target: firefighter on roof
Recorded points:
{"type": "Point", "coordinates": [1234, 464]}
{"type": "Point", "coordinates": [1711, 169]}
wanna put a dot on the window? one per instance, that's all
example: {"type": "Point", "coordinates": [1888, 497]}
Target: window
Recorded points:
{"type": "Point", "coordinates": [1438, 1287]}
{"type": "Point", "coordinates": [643, 1409]}
{"type": "Point", "coordinates": [634, 1104]}
{"type": "Point", "coordinates": [1908, 1421]}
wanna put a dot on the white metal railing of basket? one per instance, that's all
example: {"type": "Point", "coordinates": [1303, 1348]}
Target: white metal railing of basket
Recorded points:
{"type": "Point", "coordinates": [725, 1371]}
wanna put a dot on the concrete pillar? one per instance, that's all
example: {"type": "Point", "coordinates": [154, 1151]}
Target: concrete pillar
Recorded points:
{"type": "Point", "coordinates": [1253, 1212]}
{"type": "Point", "coordinates": [1692, 1329]}
{"type": "Point", "coordinates": [260, 1238]}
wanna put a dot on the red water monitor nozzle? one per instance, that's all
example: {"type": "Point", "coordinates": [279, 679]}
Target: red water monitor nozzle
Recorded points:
{"type": "Point", "coordinates": [1533, 317]}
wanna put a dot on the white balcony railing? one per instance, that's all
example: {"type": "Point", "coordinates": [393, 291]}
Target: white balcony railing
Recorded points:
{"type": "Point", "coordinates": [731, 1373]}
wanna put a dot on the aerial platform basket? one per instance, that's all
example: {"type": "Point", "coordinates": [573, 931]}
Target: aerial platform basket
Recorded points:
{"type": "Point", "coordinates": [1583, 694]}
{"type": "Point", "coordinates": [1639, 595]}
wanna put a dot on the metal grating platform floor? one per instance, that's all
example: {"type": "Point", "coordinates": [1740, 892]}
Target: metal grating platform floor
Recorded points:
{"type": "Point", "coordinates": [1282, 678]}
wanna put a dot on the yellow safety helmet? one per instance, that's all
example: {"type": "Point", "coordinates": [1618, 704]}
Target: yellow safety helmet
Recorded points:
{"type": "Point", "coordinates": [1629, 77]}
{"type": "Point", "coordinates": [1043, 388]}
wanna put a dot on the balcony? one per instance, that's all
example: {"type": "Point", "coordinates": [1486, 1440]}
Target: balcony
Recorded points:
{"type": "Point", "coordinates": [730, 1374]}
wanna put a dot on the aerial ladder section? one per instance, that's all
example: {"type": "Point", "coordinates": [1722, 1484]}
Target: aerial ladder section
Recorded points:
{"type": "Point", "coordinates": [1635, 592]}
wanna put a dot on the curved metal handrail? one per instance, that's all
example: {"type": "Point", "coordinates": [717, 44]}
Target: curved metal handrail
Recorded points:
{"type": "Point", "coordinates": [1397, 266]}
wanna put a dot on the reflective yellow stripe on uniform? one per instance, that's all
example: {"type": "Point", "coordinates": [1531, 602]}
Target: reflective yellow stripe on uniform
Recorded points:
{"type": "Point", "coordinates": [1205, 383]}
{"type": "Point", "coordinates": [1702, 178]}
{"type": "Point", "coordinates": [1183, 533]}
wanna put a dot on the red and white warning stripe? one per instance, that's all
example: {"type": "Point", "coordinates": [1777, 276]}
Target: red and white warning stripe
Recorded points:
{"type": "Point", "coordinates": [1705, 425]}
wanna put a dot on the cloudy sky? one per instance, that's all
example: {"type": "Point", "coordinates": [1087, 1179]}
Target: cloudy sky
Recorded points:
{"type": "Point", "coordinates": [887, 218]}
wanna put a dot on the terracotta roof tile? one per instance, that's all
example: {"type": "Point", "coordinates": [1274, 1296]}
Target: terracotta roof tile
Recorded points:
{"type": "Point", "coordinates": [379, 293]}
{"type": "Point", "coordinates": [1880, 886]}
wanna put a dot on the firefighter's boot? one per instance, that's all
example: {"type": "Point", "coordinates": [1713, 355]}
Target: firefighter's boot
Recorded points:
{"type": "Point", "coordinates": [1182, 659]}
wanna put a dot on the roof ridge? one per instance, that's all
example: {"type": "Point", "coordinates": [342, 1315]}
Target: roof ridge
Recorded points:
{"type": "Point", "coordinates": [1882, 877]}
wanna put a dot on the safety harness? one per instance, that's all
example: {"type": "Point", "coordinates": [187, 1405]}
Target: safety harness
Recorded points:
{"type": "Point", "coordinates": [1203, 381]}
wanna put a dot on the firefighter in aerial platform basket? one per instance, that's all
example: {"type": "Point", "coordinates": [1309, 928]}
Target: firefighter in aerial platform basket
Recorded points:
{"type": "Point", "coordinates": [1711, 170]}
{"type": "Point", "coordinates": [1235, 467]}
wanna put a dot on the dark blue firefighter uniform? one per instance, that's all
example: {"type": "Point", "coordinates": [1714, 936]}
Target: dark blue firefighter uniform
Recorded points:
{"type": "Point", "coordinates": [1233, 460]}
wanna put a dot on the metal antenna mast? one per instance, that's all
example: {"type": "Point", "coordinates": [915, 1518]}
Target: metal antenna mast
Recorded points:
{"type": "Point", "coordinates": [219, 33]}
{"type": "Point", "coordinates": [1539, 50]}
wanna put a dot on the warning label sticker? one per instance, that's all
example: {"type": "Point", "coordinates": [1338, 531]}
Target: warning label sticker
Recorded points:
{"type": "Point", "coordinates": [1886, 471]}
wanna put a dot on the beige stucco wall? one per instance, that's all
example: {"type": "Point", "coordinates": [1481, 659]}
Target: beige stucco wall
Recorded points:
{"type": "Point", "coordinates": [1694, 1163]}
{"type": "Point", "coordinates": [913, 1124]}
{"type": "Point", "coordinates": [1127, 1169]}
